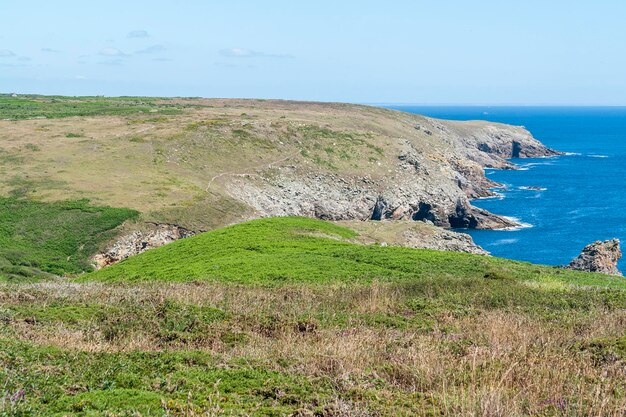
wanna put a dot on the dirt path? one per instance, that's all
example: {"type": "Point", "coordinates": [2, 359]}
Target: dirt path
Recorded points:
{"type": "Point", "coordinates": [243, 174]}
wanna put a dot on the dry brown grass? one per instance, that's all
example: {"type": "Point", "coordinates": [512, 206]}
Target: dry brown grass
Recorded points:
{"type": "Point", "coordinates": [488, 363]}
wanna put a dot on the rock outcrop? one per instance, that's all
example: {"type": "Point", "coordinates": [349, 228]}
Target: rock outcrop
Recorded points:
{"type": "Point", "coordinates": [445, 240]}
{"type": "Point", "coordinates": [138, 242]}
{"type": "Point", "coordinates": [411, 234]}
{"type": "Point", "coordinates": [599, 257]}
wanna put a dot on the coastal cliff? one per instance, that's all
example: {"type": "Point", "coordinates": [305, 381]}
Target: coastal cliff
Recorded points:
{"type": "Point", "coordinates": [424, 170]}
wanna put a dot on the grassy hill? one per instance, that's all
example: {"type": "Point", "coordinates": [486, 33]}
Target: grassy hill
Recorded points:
{"type": "Point", "coordinates": [288, 316]}
{"type": "Point", "coordinates": [293, 250]}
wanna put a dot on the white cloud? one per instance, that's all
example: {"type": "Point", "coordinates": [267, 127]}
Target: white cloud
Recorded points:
{"type": "Point", "coordinates": [249, 53]}
{"type": "Point", "coordinates": [24, 58]}
{"type": "Point", "coordinates": [5, 53]}
{"type": "Point", "coordinates": [50, 50]}
{"type": "Point", "coordinates": [153, 49]}
{"type": "Point", "coordinates": [137, 34]}
{"type": "Point", "coordinates": [232, 66]}
{"type": "Point", "coordinates": [109, 51]}
{"type": "Point", "coordinates": [237, 52]}
{"type": "Point", "coordinates": [112, 62]}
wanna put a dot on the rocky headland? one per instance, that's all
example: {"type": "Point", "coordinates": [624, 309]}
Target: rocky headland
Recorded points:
{"type": "Point", "coordinates": [429, 172]}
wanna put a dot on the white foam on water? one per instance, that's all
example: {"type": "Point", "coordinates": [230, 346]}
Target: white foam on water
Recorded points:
{"type": "Point", "coordinates": [534, 164]}
{"type": "Point", "coordinates": [527, 188]}
{"type": "Point", "coordinates": [520, 224]}
{"type": "Point", "coordinates": [598, 156]}
{"type": "Point", "coordinates": [501, 242]}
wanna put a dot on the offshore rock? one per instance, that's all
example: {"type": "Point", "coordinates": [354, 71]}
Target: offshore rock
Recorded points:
{"type": "Point", "coordinates": [599, 257]}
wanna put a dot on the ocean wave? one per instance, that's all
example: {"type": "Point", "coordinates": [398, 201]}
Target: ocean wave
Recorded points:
{"type": "Point", "coordinates": [529, 188]}
{"type": "Point", "coordinates": [501, 242]}
{"type": "Point", "coordinates": [572, 154]}
{"type": "Point", "coordinates": [598, 156]}
{"type": "Point", "coordinates": [497, 196]}
{"type": "Point", "coordinates": [526, 166]}
{"type": "Point", "coordinates": [520, 224]}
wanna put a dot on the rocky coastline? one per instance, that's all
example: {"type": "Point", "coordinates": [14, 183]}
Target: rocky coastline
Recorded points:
{"type": "Point", "coordinates": [424, 170]}
{"type": "Point", "coordinates": [433, 183]}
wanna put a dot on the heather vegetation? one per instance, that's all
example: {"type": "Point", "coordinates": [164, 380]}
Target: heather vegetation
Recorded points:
{"type": "Point", "coordinates": [53, 107]}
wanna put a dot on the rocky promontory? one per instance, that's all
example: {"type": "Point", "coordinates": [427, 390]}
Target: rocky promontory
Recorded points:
{"type": "Point", "coordinates": [336, 162]}
{"type": "Point", "coordinates": [422, 169]}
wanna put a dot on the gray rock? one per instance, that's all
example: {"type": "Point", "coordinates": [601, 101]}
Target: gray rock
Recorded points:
{"type": "Point", "coordinates": [599, 257]}
{"type": "Point", "coordinates": [138, 242]}
{"type": "Point", "coordinates": [418, 235]}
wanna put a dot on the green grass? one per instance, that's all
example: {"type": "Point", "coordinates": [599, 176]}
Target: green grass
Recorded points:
{"type": "Point", "coordinates": [53, 107]}
{"type": "Point", "coordinates": [57, 238]}
{"type": "Point", "coordinates": [142, 382]}
{"type": "Point", "coordinates": [291, 250]}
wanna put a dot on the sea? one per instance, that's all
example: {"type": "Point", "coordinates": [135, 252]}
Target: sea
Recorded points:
{"type": "Point", "coordinates": [563, 202]}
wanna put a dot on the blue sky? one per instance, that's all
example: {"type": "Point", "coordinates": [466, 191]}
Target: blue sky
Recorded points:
{"type": "Point", "coordinates": [429, 52]}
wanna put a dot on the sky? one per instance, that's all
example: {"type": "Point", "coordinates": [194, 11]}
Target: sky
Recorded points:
{"type": "Point", "coordinates": [487, 52]}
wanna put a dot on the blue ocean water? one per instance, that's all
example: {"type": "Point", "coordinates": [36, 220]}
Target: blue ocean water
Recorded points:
{"type": "Point", "coordinates": [582, 196]}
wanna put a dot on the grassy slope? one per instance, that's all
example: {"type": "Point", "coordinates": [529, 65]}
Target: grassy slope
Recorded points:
{"type": "Point", "coordinates": [295, 250]}
{"type": "Point", "coordinates": [133, 152]}
{"type": "Point", "coordinates": [57, 238]}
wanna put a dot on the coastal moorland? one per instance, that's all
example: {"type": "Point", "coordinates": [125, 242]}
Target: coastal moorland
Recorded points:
{"type": "Point", "coordinates": [309, 284]}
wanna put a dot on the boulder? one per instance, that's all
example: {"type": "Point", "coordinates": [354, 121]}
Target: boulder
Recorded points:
{"type": "Point", "coordinates": [599, 257]}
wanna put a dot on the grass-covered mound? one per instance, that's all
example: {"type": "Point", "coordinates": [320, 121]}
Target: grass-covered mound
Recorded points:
{"type": "Point", "coordinates": [38, 238]}
{"type": "Point", "coordinates": [302, 250]}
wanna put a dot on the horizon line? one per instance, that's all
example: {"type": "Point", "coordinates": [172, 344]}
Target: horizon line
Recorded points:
{"type": "Point", "coordinates": [368, 103]}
